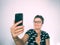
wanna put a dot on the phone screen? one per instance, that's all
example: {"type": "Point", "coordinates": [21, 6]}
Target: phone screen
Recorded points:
{"type": "Point", "coordinates": [19, 17]}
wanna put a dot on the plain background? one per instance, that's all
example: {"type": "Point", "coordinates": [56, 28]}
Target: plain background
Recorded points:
{"type": "Point", "coordinates": [49, 9]}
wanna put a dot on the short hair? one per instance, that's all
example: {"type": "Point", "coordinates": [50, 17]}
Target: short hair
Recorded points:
{"type": "Point", "coordinates": [41, 17]}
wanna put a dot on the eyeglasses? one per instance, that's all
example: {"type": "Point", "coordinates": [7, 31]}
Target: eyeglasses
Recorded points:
{"type": "Point", "coordinates": [37, 21]}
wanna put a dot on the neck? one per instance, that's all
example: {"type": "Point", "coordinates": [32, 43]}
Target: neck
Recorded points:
{"type": "Point", "coordinates": [38, 31]}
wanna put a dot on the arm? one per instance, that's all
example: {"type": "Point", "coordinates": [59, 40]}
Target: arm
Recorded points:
{"type": "Point", "coordinates": [25, 38]}
{"type": "Point", "coordinates": [18, 41]}
{"type": "Point", "coordinates": [15, 31]}
{"type": "Point", "coordinates": [22, 41]}
{"type": "Point", "coordinates": [47, 42]}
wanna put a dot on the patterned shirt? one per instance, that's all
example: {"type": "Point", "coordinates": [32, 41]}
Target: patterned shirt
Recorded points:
{"type": "Point", "coordinates": [32, 35]}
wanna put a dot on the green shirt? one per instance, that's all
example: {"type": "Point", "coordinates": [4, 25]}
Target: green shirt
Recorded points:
{"type": "Point", "coordinates": [32, 35]}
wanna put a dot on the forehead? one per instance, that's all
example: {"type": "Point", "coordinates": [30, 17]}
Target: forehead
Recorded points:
{"type": "Point", "coordinates": [37, 19]}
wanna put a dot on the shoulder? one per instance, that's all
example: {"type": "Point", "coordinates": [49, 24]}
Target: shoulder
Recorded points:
{"type": "Point", "coordinates": [45, 34]}
{"type": "Point", "coordinates": [29, 31]}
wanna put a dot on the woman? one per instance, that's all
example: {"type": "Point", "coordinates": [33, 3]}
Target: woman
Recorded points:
{"type": "Point", "coordinates": [33, 36]}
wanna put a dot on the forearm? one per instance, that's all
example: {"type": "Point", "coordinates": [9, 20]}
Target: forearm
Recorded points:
{"type": "Point", "coordinates": [18, 41]}
{"type": "Point", "coordinates": [47, 42]}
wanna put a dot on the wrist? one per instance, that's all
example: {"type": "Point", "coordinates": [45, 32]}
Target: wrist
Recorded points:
{"type": "Point", "coordinates": [16, 38]}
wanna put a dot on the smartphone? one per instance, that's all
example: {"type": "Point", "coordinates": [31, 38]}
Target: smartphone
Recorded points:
{"type": "Point", "coordinates": [19, 17]}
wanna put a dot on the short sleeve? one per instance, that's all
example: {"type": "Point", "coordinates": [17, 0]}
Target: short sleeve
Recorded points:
{"type": "Point", "coordinates": [29, 32]}
{"type": "Point", "coordinates": [47, 36]}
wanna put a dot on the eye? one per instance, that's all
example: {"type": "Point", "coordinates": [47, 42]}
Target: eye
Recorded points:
{"type": "Point", "coordinates": [37, 21]}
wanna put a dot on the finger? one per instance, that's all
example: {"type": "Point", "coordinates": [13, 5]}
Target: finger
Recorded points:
{"type": "Point", "coordinates": [17, 23]}
{"type": "Point", "coordinates": [18, 30]}
{"type": "Point", "coordinates": [19, 27]}
{"type": "Point", "coordinates": [19, 33]}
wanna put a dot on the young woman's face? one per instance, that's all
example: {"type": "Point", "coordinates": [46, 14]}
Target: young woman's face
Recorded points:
{"type": "Point", "coordinates": [37, 23]}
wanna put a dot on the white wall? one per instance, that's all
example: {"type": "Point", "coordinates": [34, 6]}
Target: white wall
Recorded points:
{"type": "Point", "coordinates": [49, 9]}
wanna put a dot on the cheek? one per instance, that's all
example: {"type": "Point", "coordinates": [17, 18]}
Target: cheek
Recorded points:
{"type": "Point", "coordinates": [40, 24]}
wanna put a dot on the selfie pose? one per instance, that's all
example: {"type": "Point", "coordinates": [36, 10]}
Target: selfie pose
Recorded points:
{"type": "Point", "coordinates": [34, 36]}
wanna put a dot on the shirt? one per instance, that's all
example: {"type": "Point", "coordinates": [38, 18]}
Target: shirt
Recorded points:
{"type": "Point", "coordinates": [32, 35]}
